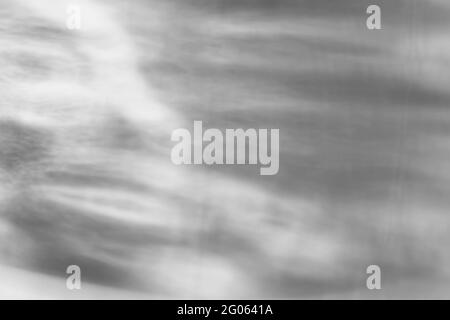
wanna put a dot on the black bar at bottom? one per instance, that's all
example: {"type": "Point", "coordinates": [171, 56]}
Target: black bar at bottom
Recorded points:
{"type": "Point", "coordinates": [227, 309]}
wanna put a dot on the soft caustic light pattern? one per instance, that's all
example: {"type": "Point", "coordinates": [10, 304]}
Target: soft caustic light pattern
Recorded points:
{"type": "Point", "coordinates": [86, 177]}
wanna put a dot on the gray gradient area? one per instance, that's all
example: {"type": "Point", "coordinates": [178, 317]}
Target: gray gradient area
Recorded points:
{"type": "Point", "coordinates": [86, 177]}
